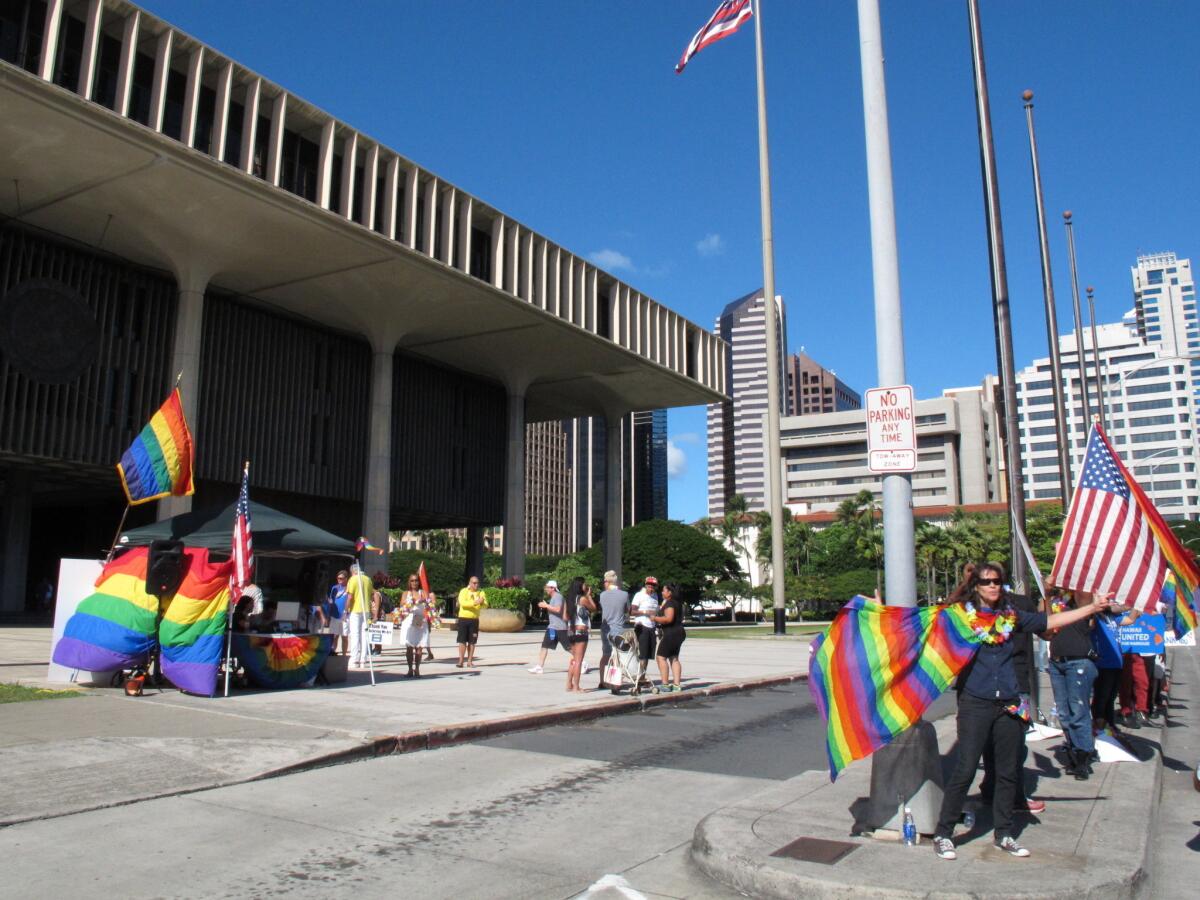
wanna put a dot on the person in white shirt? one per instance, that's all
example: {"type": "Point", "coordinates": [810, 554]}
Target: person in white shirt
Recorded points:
{"type": "Point", "coordinates": [644, 605]}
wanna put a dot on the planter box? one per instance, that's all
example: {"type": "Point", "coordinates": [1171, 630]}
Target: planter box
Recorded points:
{"type": "Point", "coordinates": [501, 620]}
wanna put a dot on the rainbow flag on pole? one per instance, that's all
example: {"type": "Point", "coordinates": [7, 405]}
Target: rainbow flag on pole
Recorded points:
{"type": "Point", "coordinates": [1183, 602]}
{"type": "Point", "coordinates": [159, 461]}
{"type": "Point", "coordinates": [878, 668]}
{"type": "Point", "coordinates": [115, 626]}
{"type": "Point", "coordinates": [192, 632]}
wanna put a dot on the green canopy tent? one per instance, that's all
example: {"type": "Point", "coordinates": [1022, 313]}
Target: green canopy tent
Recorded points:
{"type": "Point", "coordinates": [275, 533]}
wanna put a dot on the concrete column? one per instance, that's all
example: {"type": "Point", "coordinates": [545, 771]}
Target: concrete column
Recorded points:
{"type": "Point", "coordinates": [325, 163]}
{"type": "Point", "coordinates": [370, 185]}
{"type": "Point", "coordinates": [349, 170]}
{"type": "Point", "coordinates": [185, 360]}
{"type": "Point", "coordinates": [614, 312]}
{"type": "Point", "coordinates": [408, 218]}
{"type": "Point", "coordinates": [221, 112]}
{"type": "Point", "coordinates": [465, 210]}
{"type": "Point", "coordinates": [613, 493]}
{"type": "Point", "coordinates": [91, 48]}
{"type": "Point", "coordinates": [250, 124]}
{"type": "Point", "coordinates": [162, 68]}
{"type": "Point", "coordinates": [580, 295]}
{"type": "Point", "coordinates": [540, 252]}
{"type": "Point", "coordinates": [428, 235]}
{"type": "Point", "coordinates": [566, 288]}
{"type": "Point", "coordinates": [275, 140]}
{"type": "Point", "coordinates": [391, 186]}
{"type": "Point", "coordinates": [191, 99]}
{"type": "Point", "coordinates": [511, 267]}
{"type": "Point", "coordinates": [514, 487]}
{"type": "Point", "coordinates": [54, 9]}
{"type": "Point", "coordinates": [129, 39]}
{"type": "Point", "coordinates": [554, 281]}
{"type": "Point", "coordinates": [593, 300]}
{"type": "Point", "coordinates": [446, 199]}
{"type": "Point", "coordinates": [527, 266]}
{"type": "Point", "coordinates": [377, 496]}
{"type": "Point", "coordinates": [498, 252]}
{"type": "Point", "coordinates": [16, 508]}
{"type": "Point", "coordinates": [474, 553]}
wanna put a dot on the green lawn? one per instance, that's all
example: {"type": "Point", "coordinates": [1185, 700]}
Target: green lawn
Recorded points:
{"type": "Point", "coordinates": [15, 693]}
{"type": "Point", "coordinates": [753, 631]}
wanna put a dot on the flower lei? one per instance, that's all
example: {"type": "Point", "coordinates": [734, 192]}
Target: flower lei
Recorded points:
{"type": "Point", "coordinates": [1058, 604]}
{"type": "Point", "coordinates": [411, 604]}
{"type": "Point", "coordinates": [997, 632]}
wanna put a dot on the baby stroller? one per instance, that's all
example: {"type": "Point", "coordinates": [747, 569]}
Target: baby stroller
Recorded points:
{"type": "Point", "coordinates": [625, 658]}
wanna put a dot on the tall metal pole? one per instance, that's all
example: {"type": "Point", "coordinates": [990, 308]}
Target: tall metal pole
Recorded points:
{"type": "Point", "coordinates": [1096, 358]}
{"type": "Point", "coordinates": [1079, 348]}
{"type": "Point", "coordinates": [900, 567]}
{"type": "Point", "coordinates": [771, 450]}
{"type": "Point", "coordinates": [999, 277]}
{"type": "Point", "coordinates": [1060, 419]}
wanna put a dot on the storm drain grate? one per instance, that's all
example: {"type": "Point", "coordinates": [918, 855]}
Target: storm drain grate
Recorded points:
{"type": "Point", "coordinates": [818, 850]}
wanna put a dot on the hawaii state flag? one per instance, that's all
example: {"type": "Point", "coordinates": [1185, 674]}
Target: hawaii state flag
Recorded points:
{"type": "Point", "coordinates": [728, 18]}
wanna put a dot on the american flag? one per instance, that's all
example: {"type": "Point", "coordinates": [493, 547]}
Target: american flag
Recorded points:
{"type": "Point", "coordinates": [1108, 544]}
{"type": "Point", "coordinates": [243, 545]}
{"type": "Point", "coordinates": [725, 21]}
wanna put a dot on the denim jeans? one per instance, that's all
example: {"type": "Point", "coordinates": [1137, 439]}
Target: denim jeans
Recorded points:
{"type": "Point", "coordinates": [1072, 683]}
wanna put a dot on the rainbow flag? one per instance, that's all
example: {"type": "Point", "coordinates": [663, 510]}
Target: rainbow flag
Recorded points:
{"type": "Point", "coordinates": [192, 632]}
{"type": "Point", "coordinates": [278, 661]}
{"type": "Point", "coordinates": [159, 461]}
{"type": "Point", "coordinates": [114, 627]}
{"type": "Point", "coordinates": [364, 544]}
{"type": "Point", "coordinates": [1183, 604]}
{"type": "Point", "coordinates": [877, 668]}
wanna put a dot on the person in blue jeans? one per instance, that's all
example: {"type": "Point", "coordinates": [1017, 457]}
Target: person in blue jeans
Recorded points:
{"type": "Point", "coordinates": [1072, 673]}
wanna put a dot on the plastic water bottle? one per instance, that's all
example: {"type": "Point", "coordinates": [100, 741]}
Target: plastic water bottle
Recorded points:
{"type": "Point", "coordinates": [968, 818]}
{"type": "Point", "coordinates": [909, 829]}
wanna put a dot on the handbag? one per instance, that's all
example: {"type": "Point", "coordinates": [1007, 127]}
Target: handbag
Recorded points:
{"type": "Point", "coordinates": [612, 675]}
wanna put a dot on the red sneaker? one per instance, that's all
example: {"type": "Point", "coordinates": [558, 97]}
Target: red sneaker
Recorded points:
{"type": "Point", "coordinates": [1035, 806]}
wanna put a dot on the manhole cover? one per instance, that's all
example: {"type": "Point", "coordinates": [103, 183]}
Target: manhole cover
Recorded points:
{"type": "Point", "coordinates": [818, 850]}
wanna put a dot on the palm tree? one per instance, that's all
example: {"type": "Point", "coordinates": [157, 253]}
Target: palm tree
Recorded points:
{"type": "Point", "coordinates": [870, 545]}
{"type": "Point", "coordinates": [797, 542]}
{"type": "Point", "coordinates": [731, 527]}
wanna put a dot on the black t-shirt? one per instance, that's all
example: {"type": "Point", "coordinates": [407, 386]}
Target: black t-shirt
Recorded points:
{"type": "Point", "coordinates": [1074, 640]}
{"type": "Point", "coordinates": [676, 623]}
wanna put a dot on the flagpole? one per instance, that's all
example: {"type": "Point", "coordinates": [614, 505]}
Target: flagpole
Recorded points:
{"type": "Point", "coordinates": [233, 601]}
{"type": "Point", "coordinates": [1060, 412]}
{"type": "Point", "coordinates": [117, 537]}
{"type": "Point", "coordinates": [900, 566]}
{"type": "Point", "coordinates": [771, 448]}
{"type": "Point", "coordinates": [365, 637]}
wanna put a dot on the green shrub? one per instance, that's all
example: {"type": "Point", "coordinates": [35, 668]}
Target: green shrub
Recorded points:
{"type": "Point", "coordinates": [444, 572]}
{"type": "Point", "coordinates": [514, 598]}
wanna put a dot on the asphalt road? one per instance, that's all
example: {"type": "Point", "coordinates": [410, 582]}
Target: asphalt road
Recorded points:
{"type": "Point", "coordinates": [536, 814]}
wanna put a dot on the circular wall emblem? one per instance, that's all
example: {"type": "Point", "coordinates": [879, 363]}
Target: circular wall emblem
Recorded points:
{"type": "Point", "coordinates": [47, 331]}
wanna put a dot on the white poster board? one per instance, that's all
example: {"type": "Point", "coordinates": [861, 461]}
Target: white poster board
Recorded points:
{"type": "Point", "coordinates": [891, 429]}
{"type": "Point", "coordinates": [381, 633]}
{"type": "Point", "coordinates": [76, 580]}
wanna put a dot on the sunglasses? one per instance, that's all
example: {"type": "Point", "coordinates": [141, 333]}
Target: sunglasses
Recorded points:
{"type": "Point", "coordinates": [996, 582]}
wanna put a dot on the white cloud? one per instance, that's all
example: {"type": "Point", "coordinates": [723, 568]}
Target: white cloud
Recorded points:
{"type": "Point", "coordinates": [686, 437]}
{"type": "Point", "coordinates": [613, 260]}
{"type": "Point", "coordinates": [711, 245]}
{"type": "Point", "coordinates": [676, 461]}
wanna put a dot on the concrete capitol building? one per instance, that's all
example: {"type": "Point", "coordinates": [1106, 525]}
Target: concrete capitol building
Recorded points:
{"type": "Point", "coordinates": [369, 335]}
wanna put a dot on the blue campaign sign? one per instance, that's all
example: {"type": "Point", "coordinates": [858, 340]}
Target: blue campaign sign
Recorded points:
{"type": "Point", "coordinates": [1146, 635]}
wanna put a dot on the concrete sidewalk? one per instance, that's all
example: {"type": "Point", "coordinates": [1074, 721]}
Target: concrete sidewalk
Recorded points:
{"type": "Point", "coordinates": [104, 749]}
{"type": "Point", "coordinates": [1093, 840]}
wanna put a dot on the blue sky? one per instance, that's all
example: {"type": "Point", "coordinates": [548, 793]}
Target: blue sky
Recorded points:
{"type": "Point", "coordinates": [568, 116]}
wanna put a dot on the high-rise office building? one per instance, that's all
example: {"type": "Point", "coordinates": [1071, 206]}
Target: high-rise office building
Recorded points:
{"type": "Point", "coordinates": [736, 425]}
{"type": "Point", "coordinates": [547, 489]}
{"type": "Point", "coordinates": [1148, 408]}
{"type": "Point", "coordinates": [646, 467]}
{"type": "Point", "coordinates": [1164, 296]}
{"type": "Point", "coordinates": [811, 388]}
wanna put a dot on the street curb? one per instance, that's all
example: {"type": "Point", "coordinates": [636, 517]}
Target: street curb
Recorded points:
{"type": "Point", "coordinates": [466, 732]}
{"type": "Point", "coordinates": [446, 736]}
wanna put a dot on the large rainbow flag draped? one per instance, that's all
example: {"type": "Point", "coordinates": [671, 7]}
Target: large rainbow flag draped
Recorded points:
{"type": "Point", "coordinates": [1183, 602]}
{"type": "Point", "coordinates": [878, 668]}
{"type": "Point", "coordinates": [114, 627]}
{"type": "Point", "coordinates": [118, 625]}
{"type": "Point", "coordinates": [159, 461]}
{"type": "Point", "coordinates": [278, 661]}
{"type": "Point", "coordinates": [192, 632]}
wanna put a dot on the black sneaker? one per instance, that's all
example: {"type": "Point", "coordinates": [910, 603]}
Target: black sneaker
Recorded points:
{"type": "Point", "coordinates": [1010, 846]}
{"type": "Point", "coordinates": [944, 848]}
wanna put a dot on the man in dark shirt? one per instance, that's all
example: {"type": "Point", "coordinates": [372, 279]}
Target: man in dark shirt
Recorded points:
{"type": "Point", "coordinates": [1072, 673]}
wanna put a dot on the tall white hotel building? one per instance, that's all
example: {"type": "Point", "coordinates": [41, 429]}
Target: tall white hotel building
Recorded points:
{"type": "Point", "coordinates": [1149, 387]}
{"type": "Point", "coordinates": [736, 426]}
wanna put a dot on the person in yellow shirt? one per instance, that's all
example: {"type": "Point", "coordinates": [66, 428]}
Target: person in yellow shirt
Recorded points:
{"type": "Point", "coordinates": [359, 590]}
{"type": "Point", "coordinates": [470, 601]}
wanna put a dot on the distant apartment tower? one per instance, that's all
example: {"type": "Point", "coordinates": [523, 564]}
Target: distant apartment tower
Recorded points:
{"type": "Point", "coordinates": [735, 426]}
{"type": "Point", "coordinates": [811, 388]}
{"type": "Point", "coordinates": [547, 489]}
{"type": "Point", "coordinates": [1164, 296]}
{"type": "Point", "coordinates": [646, 467]}
{"type": "Point", "coordinates": [1149, 412]}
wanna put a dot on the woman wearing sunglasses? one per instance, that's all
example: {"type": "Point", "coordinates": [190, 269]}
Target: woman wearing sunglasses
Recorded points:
{"type": "Point", "coordinates": [990, 713]}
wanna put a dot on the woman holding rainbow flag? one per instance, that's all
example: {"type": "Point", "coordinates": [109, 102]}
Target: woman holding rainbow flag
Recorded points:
{"type": "Point", "coordinates": [990, 711]}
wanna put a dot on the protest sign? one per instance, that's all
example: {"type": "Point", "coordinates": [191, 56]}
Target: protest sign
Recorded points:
{"type": "Point", "coordinates": [1146, 635]}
